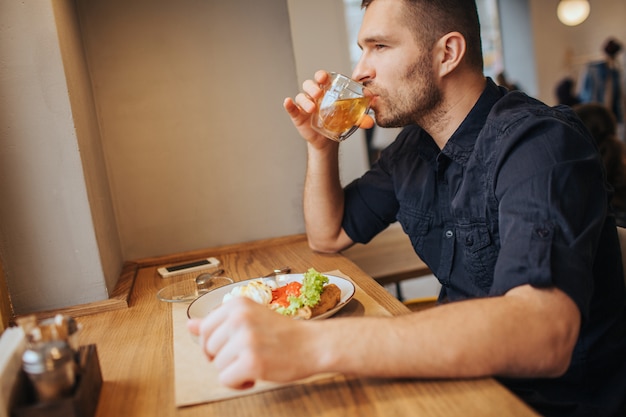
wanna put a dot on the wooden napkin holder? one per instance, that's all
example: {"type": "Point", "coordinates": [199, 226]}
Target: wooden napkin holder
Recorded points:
{"type": "Point", "coordinates": [82, 403]}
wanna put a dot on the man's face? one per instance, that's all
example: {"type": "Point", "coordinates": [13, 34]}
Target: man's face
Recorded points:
{"type": "Point", "coordinates": [396, 69]}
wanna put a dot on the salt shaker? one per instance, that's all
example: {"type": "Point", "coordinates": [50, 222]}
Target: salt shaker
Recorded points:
{"type": "Point", "coordinates": [51, 368]}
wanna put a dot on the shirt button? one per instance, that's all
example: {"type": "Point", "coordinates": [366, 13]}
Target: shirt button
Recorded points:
{"type": "Point", "coordinates": [449, 234]}
{"type": "Point", "coordinates": [543, 233]}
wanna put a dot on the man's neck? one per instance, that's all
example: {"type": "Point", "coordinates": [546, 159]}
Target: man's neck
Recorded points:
{"type": "Point", "coordinates": [460, 94]}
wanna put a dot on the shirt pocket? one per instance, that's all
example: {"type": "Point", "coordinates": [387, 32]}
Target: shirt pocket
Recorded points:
{"type": "Point", "coordinates": [416, 223]}
{"type": "Point", "coordinates": [480, 253]}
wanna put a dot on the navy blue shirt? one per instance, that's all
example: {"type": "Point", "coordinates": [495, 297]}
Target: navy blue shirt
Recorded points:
{"type": "Point", "coordinates": [517, 196]}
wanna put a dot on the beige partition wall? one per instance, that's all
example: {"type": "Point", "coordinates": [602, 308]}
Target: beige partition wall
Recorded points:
{"type": "Point", "coordinates": [189, 97]}
{"type": "Point", "coordinates": [58, 238]}
{"type": "Point", "coordinates": [189, 94]}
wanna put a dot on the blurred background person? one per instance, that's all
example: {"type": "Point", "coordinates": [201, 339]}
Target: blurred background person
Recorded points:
{"type": "Point", "coordinates": [602, 83]}
{"type": "Point", "coordinates": [602, 125]}
{"type": "Point", "coordinates": [566, 92]}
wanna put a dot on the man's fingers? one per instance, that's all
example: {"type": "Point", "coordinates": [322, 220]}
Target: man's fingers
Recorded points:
{"type": "Point", "coordinates": [193, 325]}
{"type": "Point", "coordinates": [291, 107]}
{"type": "Point", "coordinates": [321, 76]}
{"type": "Point", "coordinates": [239, 374]}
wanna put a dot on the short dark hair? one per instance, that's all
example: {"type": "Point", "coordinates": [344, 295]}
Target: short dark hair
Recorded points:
{"type": "Point", "coordinates": [612, 47]}
{"type": "Point", "coordinates": [445, 16]}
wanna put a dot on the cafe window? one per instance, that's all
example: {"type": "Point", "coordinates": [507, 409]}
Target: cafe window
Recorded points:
{"type": "Point", "coordinates": [490, 32]}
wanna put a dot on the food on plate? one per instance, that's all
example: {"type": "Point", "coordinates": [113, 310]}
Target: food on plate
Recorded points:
{"type": "Point", "coordinates": [329, 298]}
{"type": "Point", "coordinates": [257, 290]}
{"type": "Point", "coordinates": [310, 298]}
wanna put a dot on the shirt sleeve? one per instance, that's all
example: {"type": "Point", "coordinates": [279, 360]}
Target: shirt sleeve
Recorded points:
{"type": "Point", "coordinates": [371, 203]}
{"type": "Point", "coordinates": [552, 205]}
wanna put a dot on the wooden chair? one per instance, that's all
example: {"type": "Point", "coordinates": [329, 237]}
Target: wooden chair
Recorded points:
{"type": "Point", "coordinates": [421, 303]}
{"type": "Point", "coordinates": [389, 258]}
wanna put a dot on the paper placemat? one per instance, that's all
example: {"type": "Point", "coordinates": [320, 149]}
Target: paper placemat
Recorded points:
{"type": "Point", "coordinates": [196, 379]}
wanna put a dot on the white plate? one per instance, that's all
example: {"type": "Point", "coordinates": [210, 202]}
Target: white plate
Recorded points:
{"type": "Point", "coordinates": [211, 300]}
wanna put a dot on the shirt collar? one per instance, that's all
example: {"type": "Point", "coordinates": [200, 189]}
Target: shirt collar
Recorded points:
{"type": "Point", "coordinates": [461, 143]}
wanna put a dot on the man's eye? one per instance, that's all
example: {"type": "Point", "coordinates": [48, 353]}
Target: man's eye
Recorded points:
{"type": "Point", "coordinates": [380, 46]}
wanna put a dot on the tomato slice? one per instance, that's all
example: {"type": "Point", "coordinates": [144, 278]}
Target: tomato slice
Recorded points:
{"type": "Point", "coordinates": [281, 295]}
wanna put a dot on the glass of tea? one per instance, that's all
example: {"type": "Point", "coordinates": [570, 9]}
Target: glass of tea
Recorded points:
{"type": "Point", "coordinates": [341, 108]}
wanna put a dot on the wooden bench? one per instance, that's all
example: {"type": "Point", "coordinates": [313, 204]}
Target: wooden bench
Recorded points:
{"type": "Point", "coordinates": [388, 258]}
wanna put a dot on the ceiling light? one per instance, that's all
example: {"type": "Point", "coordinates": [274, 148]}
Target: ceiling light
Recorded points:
{"type": "Point", "coordinates": [573, 12]}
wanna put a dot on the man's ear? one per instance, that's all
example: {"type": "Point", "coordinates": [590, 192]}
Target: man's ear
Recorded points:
{"type": "Point", "coordinates": [450, 52]}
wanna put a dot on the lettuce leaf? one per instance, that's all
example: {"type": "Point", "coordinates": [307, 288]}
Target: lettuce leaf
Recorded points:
{"type": "Point", "coordinates": [312, 286]}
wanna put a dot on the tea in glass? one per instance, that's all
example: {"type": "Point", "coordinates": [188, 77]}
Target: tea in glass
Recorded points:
{"type": "Point", "coordinates": [340, 109]}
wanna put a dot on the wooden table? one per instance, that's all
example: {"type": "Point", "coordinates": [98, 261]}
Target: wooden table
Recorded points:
{"type": "Point", "coordinates": [136, 354]}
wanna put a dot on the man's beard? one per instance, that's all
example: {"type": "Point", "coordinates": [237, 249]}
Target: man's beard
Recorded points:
{"type": "Point", "coordinates": [421, 99]}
